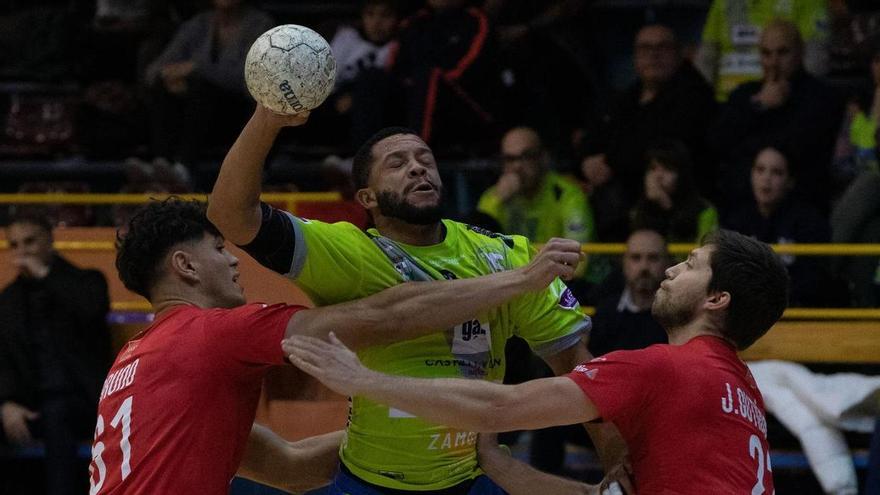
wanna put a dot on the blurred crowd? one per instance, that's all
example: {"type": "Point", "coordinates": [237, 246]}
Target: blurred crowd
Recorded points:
{"type": "Point", "coordinates": [762, 117]}
{"type": "Point", "coordinates": [764, 121]}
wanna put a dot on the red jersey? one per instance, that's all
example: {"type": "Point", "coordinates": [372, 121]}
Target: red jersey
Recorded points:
{"type": "Point", "coordinates": [177, 406]}
{"type": "Point", "coordinates": [692, 416]}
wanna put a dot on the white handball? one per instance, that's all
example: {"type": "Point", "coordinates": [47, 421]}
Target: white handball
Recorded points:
{"type": "Point", "coordinates": [290, 69]}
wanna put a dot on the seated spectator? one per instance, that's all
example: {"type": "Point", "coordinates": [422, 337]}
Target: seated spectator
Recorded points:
{"type": "Point", "coordinates": [532, 200]}
{"type": "Point", "coordinates": [671, 203]}
{"type": "Point", "coordinates": [198, 94]}
{"type": "Point", "coordinates": [622, 321]}
{"type": "Point", "coordinates": [448, 75]}
{"type": "Point", "coordinates": [54, 353]}
{"type": "Point", "coordinates": [729, 54]}
{"type": "Point", "coordinates": [789, 107]}
{"type": "Point", "coordinates": [775, 215]}
{"type": "Point", "coordinates": [668, 100]}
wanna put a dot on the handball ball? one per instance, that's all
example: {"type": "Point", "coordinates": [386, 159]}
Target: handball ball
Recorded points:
{"type": "Point", "coordinates": [290, 69]}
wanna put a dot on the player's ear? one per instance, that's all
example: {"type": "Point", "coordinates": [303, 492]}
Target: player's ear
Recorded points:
{"type": "Point", "coordinates": [717, 301]}
{"type": "Point", "coordinates": [366, 197]}
{"type": "Point", "coordinates": [183, 266]}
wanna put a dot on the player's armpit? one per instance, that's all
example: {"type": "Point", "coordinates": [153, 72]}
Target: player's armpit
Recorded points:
{"type": "Point", "coordinates": [291, 466]}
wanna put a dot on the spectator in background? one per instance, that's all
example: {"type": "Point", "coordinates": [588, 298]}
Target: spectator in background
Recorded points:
{"type": "Point", "coordinates": [855, 217]}
{"type": "Point", "coordinates": [360, 100]}
{"type": "Point", "coordinates": [776, 216]}
{"type": "Point", "coordinates": [670, 203]}
{"type": "Point", "coordinates": [622, 321]}
{"type": "Point", "coordinates": [449, 77]}
{"type": "Point", "coordinates": [856, 148]}
{"type": "Point", "coordinates": [730, 52]}
{"type": "Point", "coordinates": [789, 107]}
{"type": "Point", "coordinates": [532, 200]}
{"type": "Point", "coordinates": [198, 94]}
{"type": "Point", "coordinates": [54, 352]}
{"type": "Point", "coordinates": [669, 100]}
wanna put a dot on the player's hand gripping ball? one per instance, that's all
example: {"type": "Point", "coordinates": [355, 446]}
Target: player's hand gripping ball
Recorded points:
{"type": "Point", "coordinates": [290, 69]}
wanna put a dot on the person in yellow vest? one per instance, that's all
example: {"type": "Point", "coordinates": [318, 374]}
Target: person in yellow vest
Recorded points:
{"type": "Point", "coordinates": [729, 54]}
{"type": "Point", "coordinates": [532, 200]}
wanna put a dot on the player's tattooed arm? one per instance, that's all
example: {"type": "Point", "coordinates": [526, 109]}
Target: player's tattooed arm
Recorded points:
{"type": "Point", "coordinates": [291, 466]}
{"type": "Point", "coordinates": [414, 309]}
{"type": "Point", "coordinates": [234, 205]}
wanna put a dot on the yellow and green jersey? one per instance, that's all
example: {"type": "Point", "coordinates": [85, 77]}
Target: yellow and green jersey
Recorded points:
{"type": "Point", "coordinates": [734, 27]}
{"type": "Point", "coordinates": [559, 209]}
{"type": "Point", "coordinates": [338, 262]}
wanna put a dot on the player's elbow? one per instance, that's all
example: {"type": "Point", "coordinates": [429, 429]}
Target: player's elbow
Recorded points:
{"type": "Point", "coordinates": [236, 224]}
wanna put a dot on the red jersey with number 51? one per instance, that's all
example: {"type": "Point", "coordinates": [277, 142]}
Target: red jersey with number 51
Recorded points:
{"type": "Point", "coordinates": [692, 417]}
{"type": "Point", "coordinates": [177, 406]}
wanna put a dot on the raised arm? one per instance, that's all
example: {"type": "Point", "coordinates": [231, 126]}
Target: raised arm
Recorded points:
{"type": "Point", "coordinates": [414, 309]}
{"type": "Point", "coordinates": [234, 205]}
{"type": "Point", "coordinates": [474, 405]}
{"type": "Point", "coordinates": [292, 466]}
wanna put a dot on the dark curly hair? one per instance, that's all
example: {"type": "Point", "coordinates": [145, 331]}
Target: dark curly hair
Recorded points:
{"type": "Point", "coordinates": [151, 233]}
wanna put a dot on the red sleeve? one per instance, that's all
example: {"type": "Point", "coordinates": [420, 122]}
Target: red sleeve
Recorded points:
{"type": "Point", "coordinates": [622, 384]}
{"type": "Point", "coordinates": [249, 334]}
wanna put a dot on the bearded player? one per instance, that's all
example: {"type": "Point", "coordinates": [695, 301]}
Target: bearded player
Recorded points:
{"type": "Point", "coordinates": [176, 411]}
{"type": "Point", "coordinates": [690, 411]}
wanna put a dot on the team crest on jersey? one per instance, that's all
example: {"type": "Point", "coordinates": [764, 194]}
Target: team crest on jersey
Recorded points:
{"type": "Point", "coordinates": [585, 370]}
{"type": "Point", "coordinates": [567, 299]}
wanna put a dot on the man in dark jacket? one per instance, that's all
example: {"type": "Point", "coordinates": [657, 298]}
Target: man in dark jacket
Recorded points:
{"type": "Point", "coordinates": [54, 351]}
{"type": "Point", "coordinates": [669, 100]}
{"type": "Point", "coordinates": [789, 108]}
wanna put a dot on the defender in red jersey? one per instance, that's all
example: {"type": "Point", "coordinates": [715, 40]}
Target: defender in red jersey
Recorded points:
{"type": "Point", "coordinates": [690, 412]}
{"type": "Point", "coordinates": [176, 410]}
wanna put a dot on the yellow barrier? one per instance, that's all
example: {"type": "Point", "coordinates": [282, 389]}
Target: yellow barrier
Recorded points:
{"type": "Point", "coordinates": [792, 249]}
{"type": "Point", "coordinates": [613, 249]}
{"type": "Point", "coordinates": [289, 199]}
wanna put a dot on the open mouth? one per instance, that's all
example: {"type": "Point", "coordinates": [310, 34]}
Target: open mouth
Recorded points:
{"type": "Point", "coordinates": [422, 187]}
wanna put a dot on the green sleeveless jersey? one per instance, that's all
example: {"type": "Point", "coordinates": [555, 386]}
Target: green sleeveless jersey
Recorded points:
{"type": "Point", "coordinates": [388, 447]}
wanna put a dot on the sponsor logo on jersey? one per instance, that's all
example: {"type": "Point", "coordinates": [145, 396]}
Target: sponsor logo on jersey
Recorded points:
{"type": "Point", "coordinates": [586, 370]}
{"type": "Point", "coordinates": [567, 299]}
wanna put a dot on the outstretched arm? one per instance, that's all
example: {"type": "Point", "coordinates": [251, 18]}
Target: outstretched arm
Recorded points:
{"type": "Point", "coordinates": [414, 309]}
{"type": "Point", "coordinates": [474, 405]}
{"type": "Point", "coordinates": [234, 205]}
{"type": "Point", "coordinates": [292, 466]}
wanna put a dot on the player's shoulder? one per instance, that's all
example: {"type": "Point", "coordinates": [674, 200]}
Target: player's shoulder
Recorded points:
{"type": "Point", "coordinates": [476, 234]}
{"type": "Point", "coordinates": [651, 359]}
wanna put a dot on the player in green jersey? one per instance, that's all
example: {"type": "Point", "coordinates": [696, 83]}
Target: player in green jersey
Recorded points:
{"type": "Point", "coordinates": [399, 184]}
